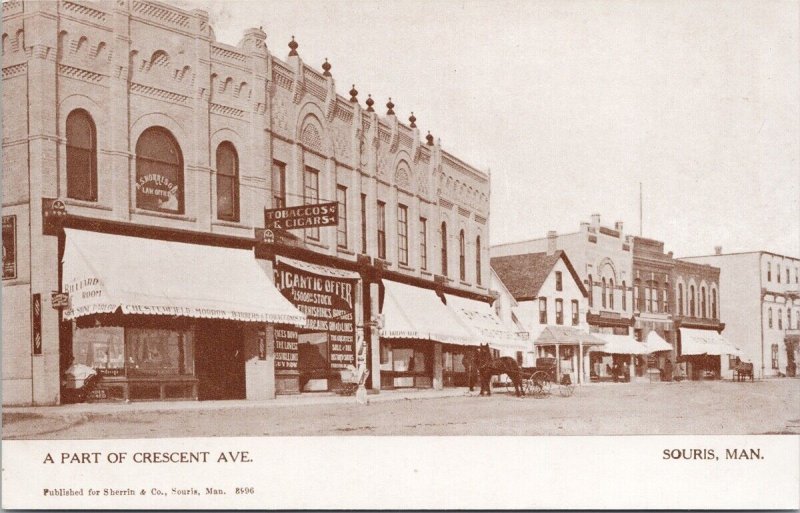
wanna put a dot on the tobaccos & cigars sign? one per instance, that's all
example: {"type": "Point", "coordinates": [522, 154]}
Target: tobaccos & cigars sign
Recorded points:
{"type": "Point", "coordinates": [304, 216]}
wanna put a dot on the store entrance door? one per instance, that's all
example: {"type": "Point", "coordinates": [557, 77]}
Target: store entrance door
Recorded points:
{"type": "Point", "coordinates": [219, 361]}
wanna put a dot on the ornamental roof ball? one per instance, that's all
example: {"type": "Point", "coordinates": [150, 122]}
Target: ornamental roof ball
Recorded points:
{"type": "Point", "coordinates": [413, 120]}
{"type": "Point", "coordinates": [327, 67]}
{"type": "Point", "coordinates": [389, 107]}
{"type": "Point", "coordinates": [293, 45]}
{"type": "Point", "coordinates": [429, 138]}
{"type": "Point", "coordinates": [353, 94]}
{"type": "Point", "coordinates": [370, 102]}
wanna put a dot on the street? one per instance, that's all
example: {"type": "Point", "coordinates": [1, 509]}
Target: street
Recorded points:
{"type": "Point", "coordinates": [711, 407]}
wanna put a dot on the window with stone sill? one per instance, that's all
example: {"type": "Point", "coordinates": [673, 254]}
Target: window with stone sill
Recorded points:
{"type": "Point", "coordinates": [341, 226]}
{"type": "Point", "coordinates": [278, 184]}
{"type": "Point", "coordinates": [81, 156]}
{"type": "Point", "coordinates": [311, 196]}
{"type": "Point", "coordinates": [227, 183]}
{"type": "Point", "coordinates": [159, 172]}
{"type": "Point", "coordinates": [542, 310]}
{"type": "Point", "coordinates": [423, 243]}
{"type": "Point", "coordinates": [402, 234]}
{"type": "Point", "coordinates": [381, 230]}
{"type": "Point", "coordinates": [575, 313]}
{"type": "Point", "coordinates": [559, 283]}
{"type": "Point", "coordinates": [559, 311]}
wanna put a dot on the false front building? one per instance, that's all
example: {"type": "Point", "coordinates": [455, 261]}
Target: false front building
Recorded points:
{"type": "Point", "coordinates": [142, 160]}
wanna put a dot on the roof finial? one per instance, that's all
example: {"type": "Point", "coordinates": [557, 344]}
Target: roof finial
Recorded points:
{"type": "Point", "coordinates": [353, 94]}
{"type": "Point", "coordinates": [390, 106]}
{"type": "Point", "coordinates": [327, 67]}
{"type": "Point", "coordinates": [293, 45]}
{"type": "Point", "coordinates": [429, 138]}
{"type": "Point", "coordinates": [412, 120]}
{"type": "Point", "coordinates": [370, 102]}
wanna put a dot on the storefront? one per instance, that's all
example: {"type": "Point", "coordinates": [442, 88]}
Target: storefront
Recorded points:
{"type": "Point", "coordinates": [571, 348]}
{"type": "Point", "coordinates": [166, 320]}
{"type": "Point", "coordinates": [706, 354]}
{"type": "Point", "coordinates": [417, 327]}
{"type": "Point", "coordinates": [622, 358]}
{"type": "Point", "coordinates": [660, 365]}
{"type": "Point", "coordinates": [312, 358]}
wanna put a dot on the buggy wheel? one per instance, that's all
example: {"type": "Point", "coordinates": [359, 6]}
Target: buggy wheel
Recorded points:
{"type": "Point", "coordinates": [528, 386]}
{"type": "Point", "coordinates": [542, 380]}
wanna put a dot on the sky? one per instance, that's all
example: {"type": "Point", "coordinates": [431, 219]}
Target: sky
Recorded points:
{"type": "Point", "coordinates": [572, 104]}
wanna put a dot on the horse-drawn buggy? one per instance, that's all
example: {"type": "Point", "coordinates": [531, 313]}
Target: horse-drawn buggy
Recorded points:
{"type": "Point", "coordinates": [536, 381]}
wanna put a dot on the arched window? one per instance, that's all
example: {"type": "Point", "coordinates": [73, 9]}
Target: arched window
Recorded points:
{"type": "Point", "coordinates": [680, 299]}
{"type": "Point", "coordinates": [702, 302]}
{"type": "Point", "coordinates": [590, 290]}
{"type": "Point", "coordinates": [780, 319]}
{"type": "Point", "coordinates": [444, 248]}
{"type": "Point", "coordinates": [769, 317]}
{"type": "Point", "coordinates": [624, 296]}
{"type": "Point", "coordinates": [478, 260]}
{"type": "Point", "coordinates": [603, 294]}
{"type": "Point", "coordinates": [665, 298]}
{"type": "Point", "coordinates": [462, 256]}
{"type": "Point", "coordinates": [159, 172]}
{"type": "Point", "coordinates": [81, 156]}
{"type": "Point", "coordinates": [227, 182]}
{"type": "Point", "coordinates": [714, 313]}
{"type": "Point", "coordinates": [692, 309]}
{"type": "Point", "coordinates": [611, 294]}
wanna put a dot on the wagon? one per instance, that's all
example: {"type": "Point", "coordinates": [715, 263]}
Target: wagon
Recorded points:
{"type": "Point", "coordinates": [538, 381]}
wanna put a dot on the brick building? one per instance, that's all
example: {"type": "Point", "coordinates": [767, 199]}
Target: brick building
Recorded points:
{"type": "Point", "coordinates": [142, 126]}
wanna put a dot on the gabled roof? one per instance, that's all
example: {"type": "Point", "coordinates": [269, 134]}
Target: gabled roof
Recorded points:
{"type": "Point", "coordinates": [524, 275]}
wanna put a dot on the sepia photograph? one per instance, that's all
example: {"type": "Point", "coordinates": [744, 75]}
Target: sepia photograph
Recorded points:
{"type": "Point", "coordinates": [239, 231]}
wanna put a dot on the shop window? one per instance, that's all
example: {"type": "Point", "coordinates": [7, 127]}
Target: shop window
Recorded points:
{"type": "Point", "coordinates": [443, 233]}
{"type": "Point", "coordinates": [81, 156]}
{"type": "Point", "coordinates": [611, 294]}
{"type": "Point", "coordinates": [364, 224]}
{"type": "Point", "coordinates": [381, 230]}
{"type": "Point", "coordinates": [102, 348]}
{"type": "Point", "coordinates": [227, 182]}
{"type": "Point", "coordinates": [423, 243]}
{"type": "Point", "coordinates": [158, 352]}
{"type": "Point", "coordinates": [559, 282]}
{"type": "Point", "coordinates": [341, 226]}
{"type": "Point", "coordinates": [478, 260]}
{"type": "Point", "coordinates": [159, 172]}
{"type": "Point", "coordinates": [278, 184]}
{"type": "Point", "coordinates": [559, 311]}
{"type": "Point", "coordinates": [402, 234]}
{"type": "Point", "coordinates": [462, 256]}
{"type": "Point", "coordinates": [775, 356]}
{"type": "Point", "coordinates": [542, 310]}
{"type": "Point", "coordinates": [624, 296]}
{"type": "Point", "coordinates": [311, 196]}
{"type": "Point", "coordinates": [575, 312]}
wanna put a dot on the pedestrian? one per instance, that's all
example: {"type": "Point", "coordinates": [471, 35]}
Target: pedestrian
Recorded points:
{"type": "Point", "coordinates": [668, 370]}
{"type": "Point", "coordinates": [470, 367]}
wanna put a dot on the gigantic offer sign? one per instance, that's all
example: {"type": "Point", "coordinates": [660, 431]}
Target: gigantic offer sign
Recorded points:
{"type": "Point", "coordinates": [329, 305]}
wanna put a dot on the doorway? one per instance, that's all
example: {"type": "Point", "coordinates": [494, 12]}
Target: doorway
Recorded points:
{"type": "Point", "coordinates": [220, 359]}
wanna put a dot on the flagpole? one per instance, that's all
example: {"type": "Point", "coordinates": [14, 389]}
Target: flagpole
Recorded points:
{"type": "Point", "coordinates": [640, 210]}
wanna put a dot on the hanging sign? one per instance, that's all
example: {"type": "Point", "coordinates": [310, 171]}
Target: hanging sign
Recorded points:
{"type": "Point", "coordinates": [301, 217]}
{"type": "Point", "coordinates": [59, 300]}
{"type": "Point", "coordinates": [328, 303]}
{"type": "Point", "coordinates": [9, 247]}
{"type": "Point", "coordinates": [54, 211]}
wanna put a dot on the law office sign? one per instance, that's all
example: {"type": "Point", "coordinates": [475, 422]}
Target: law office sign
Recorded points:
{"type": "Point", "coordinates": [302, 217]}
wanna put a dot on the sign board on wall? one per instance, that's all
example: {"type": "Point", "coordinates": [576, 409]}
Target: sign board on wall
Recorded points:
{"type": "Point", "coordinates": [328, 303]}
{"type": "Point", "coordinates": [9, 247]}
{"type": "Point", "coordinates": [301, 217]}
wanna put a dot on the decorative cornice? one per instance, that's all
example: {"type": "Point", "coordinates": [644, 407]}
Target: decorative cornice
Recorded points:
{"type": "Point", "coordinates": [15, 70]}
{"type": "Point", "coordinates": [160, 94]}
{"type": "Point", "coordinates": [81, 74]}
{"type": "Point", "coordinates": [84, 10]}
{"type": "Point", "coordinates": [480, 219]}
{"type": "Point", "coordinates": [162, 14]}
{"type": "Point", "coordinates": [224, 110]}
{"type": "Point", "coordinates": [227, 54]}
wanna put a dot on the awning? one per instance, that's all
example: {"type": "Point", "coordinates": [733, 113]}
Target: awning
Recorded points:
{"type": "Point", "coordinates": [417, 313]}
{"type": "Point", "coordinates": [655, 343]}
{"type": "Point", "coordinates": [481, 319]}
{"type": "Point", "coordinates": [318, 269]}
{"type": "Point", "coordinates": [621, 344]}
{"type": "Point", "coordinates": [566, 335]}
{"type": "Point", "coordinates": [695, 342]}
{"type": "Point", "coordinates": [103, 272]}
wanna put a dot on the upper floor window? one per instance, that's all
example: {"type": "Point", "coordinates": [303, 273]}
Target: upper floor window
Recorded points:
{"type": "Point", "coordinates": [769, 271]}
{"type": "Point", "coordinates": [575, 312]}
{"type": "Point", "coordinates": [381, 230]}
{"type": "Point", "coordinates": [402, 234]}
{"type": "Point", "coordinates": [624, 296]}
{"type": "Point", "coordinates": [680, 299]}
{"type": "Point", "coordinates": [780, 319]}
{"type": "Point", "coordinates": [692, 310]}
{"type": "Point", "coordinates": [714, 313]}
{"type": "Point", "coordinates": [774, 355]}
{"type": "Point", "coordinates": [559, 311]}
{"type": "Point", "coordinates": [462, 256]}
{"type": "Point", "coordinates": [665, 296]}
{"type": "Point", "coordinates": [702, 302]}
{"type": "Point", "coordinates": [443, 233]}
{"type": "Point", "coordinates": [797, 275]}
{"type": "Point", "coordinates": [787, 275]}
{"type": "Point", "coordinates": [769, 317]}
{"type": "Point", "coordinates": [648, 300]}
{"type": "Point", "coordinates": [341, 226]}
{"type": "Point", "coordinates": [603, 294]}
{"type": "Point", "coordinates": [778, 272]}
{"type": "Point", "coordinates": [278, 184]}
{"type": "Point", "coordinates": [542, 310]}
{"type": "Point", "coordinates": [227, 182]}
{"type": "Point", "coordinates": [311, 196]}
{"type": "Point", "coordinates": [590, 288]}
{"type": "Point", "coordinates": [159, 172]}
{"type": "Point", "coordinates": [81, 156]}
{"type": "Point", "coordinates": [637, 295]}
{"type": "Point", "coordinates": [423, 243]}
{"type": "Point", "coordinates": [653, 297]}
{"type": "Point", "coordinates": [559, 283]}
{"type": "Point", "coordinates": [478, 260]}
{"type": "Point", "coordinates": [364, 224]}
{"type": "Point", "coordinates": [611, 294]}
{"type": "Point", "coordinates": [788, 318]}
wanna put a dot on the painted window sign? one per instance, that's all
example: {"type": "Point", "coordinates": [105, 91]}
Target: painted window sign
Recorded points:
{"type": "Point", "coordinates": [156, 192]}
{"type": "Point", "coordinates": [9, 247]}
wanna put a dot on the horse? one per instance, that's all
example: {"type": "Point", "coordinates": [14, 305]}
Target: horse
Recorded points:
{"type": "Point", "coordinates": [488, 367]}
